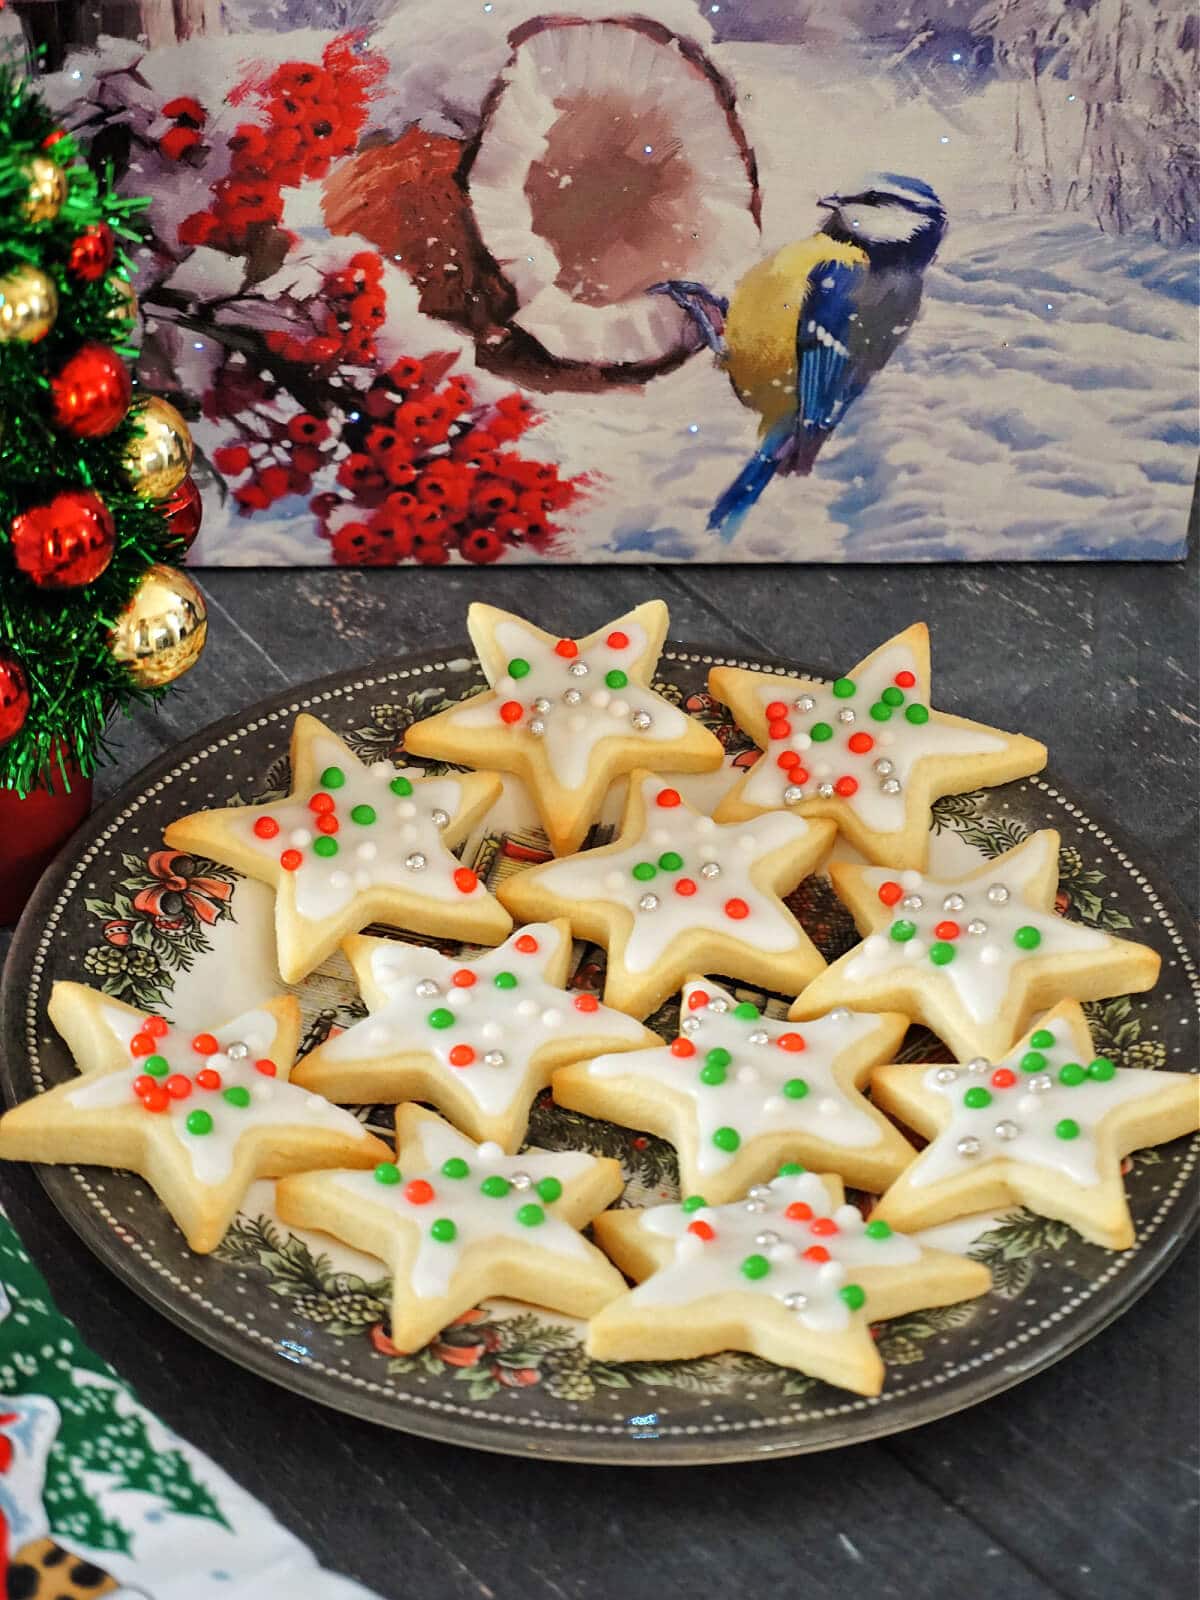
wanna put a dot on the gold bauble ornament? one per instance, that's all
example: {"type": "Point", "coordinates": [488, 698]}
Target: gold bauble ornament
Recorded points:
{"type": "Point", "coordinates": [159, 457]}
{"type": "Point", "coordinates": [161, 632]}
{"type": "Point", "coordinates": [125, 305]}
{"type": "Point", "coordinates": [47, 190]}
{"type": "Point", "coordinates": [28, 305]}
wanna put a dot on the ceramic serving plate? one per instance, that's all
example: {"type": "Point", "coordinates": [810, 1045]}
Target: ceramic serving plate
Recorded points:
{"type": "Point", "coordinates": [167, 931]}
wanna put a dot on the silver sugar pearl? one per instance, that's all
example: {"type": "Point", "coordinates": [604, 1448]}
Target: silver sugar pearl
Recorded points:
{"type": "Point", "coordinates": [997, 894]}
{"type": "Point", "coordinates": [641, 720]}
{"type": "Point", "coordinates": [537, 727]}
{"type": "Point", "coordinates": [825, 790]}
{"type": "Point", "coordinates": [415, 862]}
{"type": "Point", "coordinates": [977, 926]}
{"type": "Point", "coordinates": [710, 869]}
{"type": "Point", "coordinates": [953, 902]}
{"type": "Point", "coordinates": [579, 669]}
{"type": "Point", "coordinates": [759, 1036]}
{"type": "Point", "coordinates": [237, 1051]}
{"type": "Point", "coordinates": [845, 715]}
{"type": "Point", "coordinates": [541, 705]}
{"type": "Point", "coordinates": [766, 1239]}
{"type": "Point", "coordinates": [571, 697]}
{"type": "Point", "coordinates": [979, 1064]}
{"type": "Point", "coordinates": [945, 1075]}
{"type": "Point", "coordinates": [883, 767]}
{"type": "Point", "coordinates": [494, 1058]}
{"type": "Point", "coordinates": [648, 902]}
{"type": "Point", "coordinates": [792, 793]}
{"type": "Point", "coordinates": [840, 1014]}
{"type": "Point", "coordinates": [795, 1301]}
{"type": "Point", "coordinates": [1040, 1083]}
{"type": "Point", "coordinates": [890, 786]}
{"type": "Point", "coordinates": [720, 1005]}
{"type": "Point", "coordinates": [439, 818]}
{"type": "Point", "coordinates": [520, 1180]}
{"type": "Point", "coordinates": [427, 988]}
{"type": "Point", "coordinates": [1006, 1130]}
{"type": "Point", "coordinates": [970, 1146]}
{"type": "Point", "coordinates": [690, 1025]}
{"type": "Point", "coordinates": [805, 703]}
{"type": "Point", "coordinates": [759, 1191]}
{"type": "Point", "coordinates": [911, 902]}
{"type": "Point", "coordinates": [754, 1207]}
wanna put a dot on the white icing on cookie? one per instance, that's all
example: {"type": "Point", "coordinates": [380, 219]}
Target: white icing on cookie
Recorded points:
{"type": "Point", "coordinates": [747, 1074]}
{"type": "Point", "coordinates": [461, 1201]}
{"type": "Point", "coordinates": [1025, 1109]}
{"type": "Point", "coordinates": [758, 1246]}
{"type": "Point", "coordinates": [397, 844]}
{"type": "Point", "coordinates": [173, 1064]}
{"type": "Point", "coordinates": [862, 743]}
{"type": "Point", "coordinates": [991, 912]}
{"type": "Point", "coordinates": [569, 703]}
{"type": "Point", "coordinates": [501, 1011]}
{"type": "Point", "coordinates": [706, 884]}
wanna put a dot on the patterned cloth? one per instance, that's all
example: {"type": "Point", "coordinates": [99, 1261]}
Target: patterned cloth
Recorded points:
{"type": "Point", "coordinates": [97, 1497]}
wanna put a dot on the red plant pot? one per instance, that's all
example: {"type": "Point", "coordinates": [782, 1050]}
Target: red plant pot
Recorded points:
{"type": "Point", "coordinates": [32, 831]}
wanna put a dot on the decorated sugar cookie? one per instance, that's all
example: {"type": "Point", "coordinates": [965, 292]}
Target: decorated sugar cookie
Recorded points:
{"type": "Point", "coordinates": [198, 1115]}
{"type": "Point", "coordinates": [973, 957]}
{"type": "Point", "coordinates": [477, 1039]}
{"type": "Point", "coordinates": [568, 715]}
{"type": "Point", "coordinates": [354, 844]}
{"type": "Point", "coordinates": [1046, 1127]}
{"type": "Point", "coordinates": [791, 1273]}
{"type": "Point", "coordinates": [677, 893]}
{"type": "Point", "coordinates": [456, 1222]}
{"type": "Point", "coordinates": [737, 1093]}
{"type": "Point", "coordinates": [866, 750]}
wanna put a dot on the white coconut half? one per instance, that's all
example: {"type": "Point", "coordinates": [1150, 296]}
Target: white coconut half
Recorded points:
{"type": "Point", "coordinates": [611, 158]}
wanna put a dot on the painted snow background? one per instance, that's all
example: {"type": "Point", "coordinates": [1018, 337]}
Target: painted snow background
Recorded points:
{"type": "Point", "coordinates": [1043, 406]}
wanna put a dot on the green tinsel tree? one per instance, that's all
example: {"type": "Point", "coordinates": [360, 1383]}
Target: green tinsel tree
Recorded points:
{"type": "Point", "coordinates": [58, 636]}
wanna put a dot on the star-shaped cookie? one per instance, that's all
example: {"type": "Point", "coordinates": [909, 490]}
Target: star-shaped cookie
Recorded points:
{"type": "Point", "coordinates": [677, 893]}
{"type": "Point", "coordinates": [737, 1093]}
{"type": "Point", "coordinates": [455, 1222]}
{"type": "Point", "coordinates": [477, 1039]}
{"type": "Point", "coordinates": [973, 957]}
{"type": "Point", "coordinates": [1046, 1127]}
{"type": "Point", "coordinates": [866, 750]}
{"type": "Point", "coordinates": [198, 1115]}
{"type": "Point", "coordinates": [791, 1274]}
{"type": "Point", "coordinates": [568, 716]}
{"type": "Point", "coordinates": [354, 844]}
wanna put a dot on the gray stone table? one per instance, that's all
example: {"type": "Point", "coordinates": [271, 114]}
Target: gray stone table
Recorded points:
{"type": "Point", "coordinates": [1081, 1482]}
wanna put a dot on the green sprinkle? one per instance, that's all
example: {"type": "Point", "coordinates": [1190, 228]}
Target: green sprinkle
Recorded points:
{"type": "Point", "coordinates": [854, 1296]}
{"type": "Point", "coordinates": [790, 1169]}
{"type": "Point", "coordinates": [917, 713]}
{"type": "Point", "coordinates": [1068, 1128]}
{"type": "Point", "coordinates": [363, 814]}
{"type": "Point", "coordinates": [325, 846]}
{"type": "Point", "coordinates": [844, 687]}
{"type": "Point", "coordinates": [199, 1122]}
{"type": "Point", "coordinates": [756, 1266]}
{"type": "Point", "coordinates": [941, 953]}
{"type": "Point", "coordinates": [903, 930]}
{"type": "Point", "coordinates": [1101, 1069]}
{"type": "Point", "coordinates": [819, 732]}
{"type": "Point", "coordinates": [456, 1167]}
{"type": "Point", "coordinates": [727, 1139]}
{"type": "Point", "coordinates": [880, 712]}
{"type": "Point", "coordinates": [549, 1189]}
{"type": "Point", "coordinates": [1027, 938]}
{"type": "Point", "coordinates": [1042, 1039]}
{"type": "Point", "coordinates": [644, 871]}
{"type": "Point", "coordinates": [795, 1088]}
{"type": "Point", "coordinates": [892, 696]}
{"type": "Point", "coordinates": [694, 1202]}
{"type": "Point", "coordinates": [975, 1099]}
{"type": "Point", "coordinates": [401, 786]}
{"type": "Point", "coordinates": [157, 1066]}
{"type": "Point", "coordinates": [1072, 1074]}
{"type": "Point", "coordinates": [718, 1057]}
{"type": "Point", "coordinates": [878, 1229]}
{"type": "Point", "coordinates": [1033, 1060]}
{"type": "Point", "coordinates": [616, 679]}
{"type": "Point", "coordinates": [712, 1075]}
{"type": "Point", "coordinates": [332, 778]}
{"type": "Point", "coordinates": [237, 1096]}
{"type": "Point", "coordinates": [529, 1216]}
{"type": "Point", "coordinates": [505, 980]}
{"type": "Point", "coordinates": [443, 1230]}
{"type": "Point", "coordinates": [440, 1018]}
{"type": "Point", "coordinates": [495, 1187]}
{"type": "Point", "coordinates": [670, 861]}
{"type": "Point", "coordinates": [387, 1172]}
{"type": "Point", "coordinates": [518, 667]}
{"type": "Point", "coordinates": [746, 1011]}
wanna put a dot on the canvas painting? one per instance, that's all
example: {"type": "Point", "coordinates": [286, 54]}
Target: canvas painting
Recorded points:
{"type": "Point", "coordinates": [697, 280]}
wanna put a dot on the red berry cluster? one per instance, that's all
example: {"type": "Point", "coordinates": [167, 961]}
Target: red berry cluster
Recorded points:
{"type": "Point", "coordinates": [345, 318]}
{"type": "Point", "coordinates": [187, 116]}
{"type": "Point", "coordinates": [313, 114]}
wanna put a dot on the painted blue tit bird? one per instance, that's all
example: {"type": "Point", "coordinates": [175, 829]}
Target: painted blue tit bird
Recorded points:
{"type": "Point", "coordinates": [806, 330]}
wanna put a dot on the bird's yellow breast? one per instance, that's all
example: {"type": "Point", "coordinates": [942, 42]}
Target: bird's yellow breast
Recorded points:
{"type": "Point", "coordinates": [760, 328]}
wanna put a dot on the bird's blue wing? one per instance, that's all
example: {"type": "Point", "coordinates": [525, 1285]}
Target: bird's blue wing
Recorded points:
{"type": "Point", "coordinates": [824, 374]}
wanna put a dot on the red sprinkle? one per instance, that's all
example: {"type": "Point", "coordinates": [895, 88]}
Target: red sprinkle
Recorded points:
{"type": "Point", "coordinates": [823, 1227]}
{"type": "Point", "coordinates": [464, 978]}
{"type": "Point", "coordinates": [266, 1067]}
{"type": "Point", "coordinates": [465, 881]}
{"type": "Point", "coordinates": [668, 797]}
{"type": "Point", "coordinates": [526, 944]}
{"type": "Point", "coordinates": [846, 786]}
{"type": "Point", "coordinates": [205, 1045]}
{"type": "Point", "coordinates": [890, 892]}
{"type": "Point", "coordinates": [290, 860]}
{"type": "Point", "coordinates": [798, 1211]}
{"type": "Point", "coordinates": [702, 1230]}
{"type": "Point", "coordinates": [617, 640]}
{"type": "Point", "coordinates": [685, 886]}
{"type": "Point", "coordinates": [816, 1252]}
{"type": "Point", "coordinates": [697, 998]}
{"type": "Point", "coordinates": [1003, 1078]}
{"type": "Point", "coordinates": [787, 759]}
{"type": "Point", "coordinates": [321, 802]}
{"type": "Point", "coordinates": [947, 930]}
{"type": "Point", "coordinates": [790, 1041]}
{"type": "Point", "coordinates": [142, 1044]}
{"type": "Point", "coordinates": [737, 909]}
{"type": "Point", "coordinates": [799, 774]}
{"type": "Point", "coordinates": [418, 1192]}
{"type": "Point", "coordinates": [682, 1046]}
{"type": "Point", "coordinates": [860, 743]}
{"type": "Point", "coordinates": [143, 1084]}
{"type": "Point", "coordinates": [155, 1025]}
{"type": "Point", "coordinates": [178, 1087]}
{"type": "Point", "coordinates": [266, 827]}
{"type": "Point", "coordinates": [776, 710]}
{"type": "Point", "coordinates": [906, 679]}
{"type": "Point", "coordinates": [327, 823]}
{"type": "Point", "coordinates": [567, 648]}
{"type": "Point", "coordinates": [462, 1055]}
{"type": "Point", "coordinates": [156, 1099]}
{"type": "Point", "coordinates": [208, 1078]}
{"type": "Point", "coordinates": [779, 729]}
{"type": "Point", "coordinates": [511, 711]}
{"type": "Point", "coordinates": [586, 1002]}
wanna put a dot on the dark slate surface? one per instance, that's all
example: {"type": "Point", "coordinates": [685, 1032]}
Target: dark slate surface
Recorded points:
{"type": "Point", "coordinates": [1081, 1482]}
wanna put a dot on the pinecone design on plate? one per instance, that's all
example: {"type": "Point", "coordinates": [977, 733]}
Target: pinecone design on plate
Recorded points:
{"type": "Point", "coordinates": [1149, 1054]}
{"type": "Point", "coordinates": [312, 1307]}
{"type": "Point", "coordinates": [354, 1309]}
{"type": "Point", "coordinates": [108, 962]}
{"type": "Point", "coordinates": [567, 1375]}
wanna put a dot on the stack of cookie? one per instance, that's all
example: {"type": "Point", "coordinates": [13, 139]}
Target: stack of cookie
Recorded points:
{"type": "Point", "coordinates": [769, 1116]}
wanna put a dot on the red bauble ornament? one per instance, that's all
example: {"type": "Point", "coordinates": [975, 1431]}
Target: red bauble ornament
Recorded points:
{"type": "Point", "coordinates": [91, 255]}
{"type": "Point", "coordinates": [14, 697]}
{"type": "Point", "coordinates": [183, 512]}
{"type": "Point", "coordinates": [90, 392]}
{"type": "Point", "coordinates": [65, 544]}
